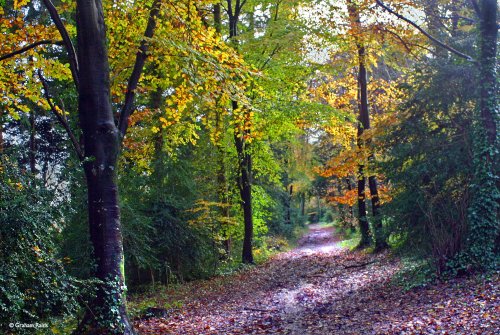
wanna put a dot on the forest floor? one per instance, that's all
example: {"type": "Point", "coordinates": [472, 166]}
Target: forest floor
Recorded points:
{"type": "Point", "coordinates": [322, 288]}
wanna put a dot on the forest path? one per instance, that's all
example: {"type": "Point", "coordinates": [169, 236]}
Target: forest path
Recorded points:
{"type": "Point", "coordinates": [321, 288]}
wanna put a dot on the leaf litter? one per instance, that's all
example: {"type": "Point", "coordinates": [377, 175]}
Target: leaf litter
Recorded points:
{"type": "Point", "coordinates": [321, 288]}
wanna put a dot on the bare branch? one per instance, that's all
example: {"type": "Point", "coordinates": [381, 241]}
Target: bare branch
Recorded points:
{"type": "Point", "coordinates": [429, 36]}
{"type": "Point", "coordinates": [70, 49]}
{"type": "Point", "coordinates": [27, 48]}
{"type": "Point", "coordinates": [270, 57]}
{"type": "Point", "coordinates": [240, 7]}
{"type": "Point", "coordinates": [62, 120]}
{"type": "Point", "coordinates": [407, 44]}
{"type": "Point", "coordinates": [359, 265]}
{"type": "Point", "coordinates": [140, 60]}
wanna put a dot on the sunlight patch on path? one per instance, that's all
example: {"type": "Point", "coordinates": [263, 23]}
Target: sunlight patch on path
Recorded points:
{"type": "Point", "coordinates": [294, 302]}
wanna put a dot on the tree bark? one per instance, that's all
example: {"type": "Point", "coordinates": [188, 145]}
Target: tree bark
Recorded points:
{"type": "Point", "coordinates": [245, 187]}
{"type": "Point", "coordinates": [364, 228]}
{"type": "Point", "coordinates": [107, 312]}
{"type": "Point", "coordinates": [364, 119]}
{"type": "Point", "coordinates": [242, 149]}
{"type": "Point", "coordinates": [217, 18]}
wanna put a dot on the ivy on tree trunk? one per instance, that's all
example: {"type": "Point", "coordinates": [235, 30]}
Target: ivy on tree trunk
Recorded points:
{"type": "Point", "coordinates": [101, 138]}
{"type": "Point", "coordinates": [484, 209]}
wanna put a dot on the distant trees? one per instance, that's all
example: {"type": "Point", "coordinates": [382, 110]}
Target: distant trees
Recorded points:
{"type": "Point", "coordinates": [438, 45]}
{"type": "Point", "coordinates": [365, 68]}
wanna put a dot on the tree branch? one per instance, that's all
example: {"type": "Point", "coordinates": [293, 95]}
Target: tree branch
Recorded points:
{"type": "Point", "coordinates": [359, 265]}
{"type": "Point", "coordinates": [140, 60]}
{"type": "Point", "coordinates": [406, 44]}
{"type": "Point", "coordinates": [429, 36]}
{"type": "Point", "coordinates": [240, 7]}
{"type": "Point", "coordinates": [476, 7]}
{"type": "Point", "coordinates": [62, 120]}
{"type": "Point", "coordinates": [27, 48]}
{"type": "Point", "coordinates": [271, 55]}
{"type": "Point", "coordinates": [70, 49]}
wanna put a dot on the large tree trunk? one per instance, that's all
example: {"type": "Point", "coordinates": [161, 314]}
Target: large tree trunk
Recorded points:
{"type": "Point", "coordinates": [484, 209]}
{"type": "Point", "coordinates": [107, 313]}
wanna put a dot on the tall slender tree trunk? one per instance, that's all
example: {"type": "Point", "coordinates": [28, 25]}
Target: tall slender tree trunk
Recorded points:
{"type": "Point", "coordinates": [364, 119]}
{"type": "Point", "coordinates": [485, 203]}
{"type": "Point", "coordinates": [245, 187]}
{"type": "Point", "coordinates": [107, 313]}
{"type": "Point", "coordinates": [242, 149]}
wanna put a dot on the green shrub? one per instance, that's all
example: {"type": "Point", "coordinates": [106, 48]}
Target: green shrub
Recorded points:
{"type": "Point", "coordinates": [429, 166]}
{"type": "Point", "coordinates": [33, 283]}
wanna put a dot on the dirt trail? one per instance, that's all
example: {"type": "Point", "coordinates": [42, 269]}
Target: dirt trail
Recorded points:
{"type": "Point", "coordinates": [320, 288]}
